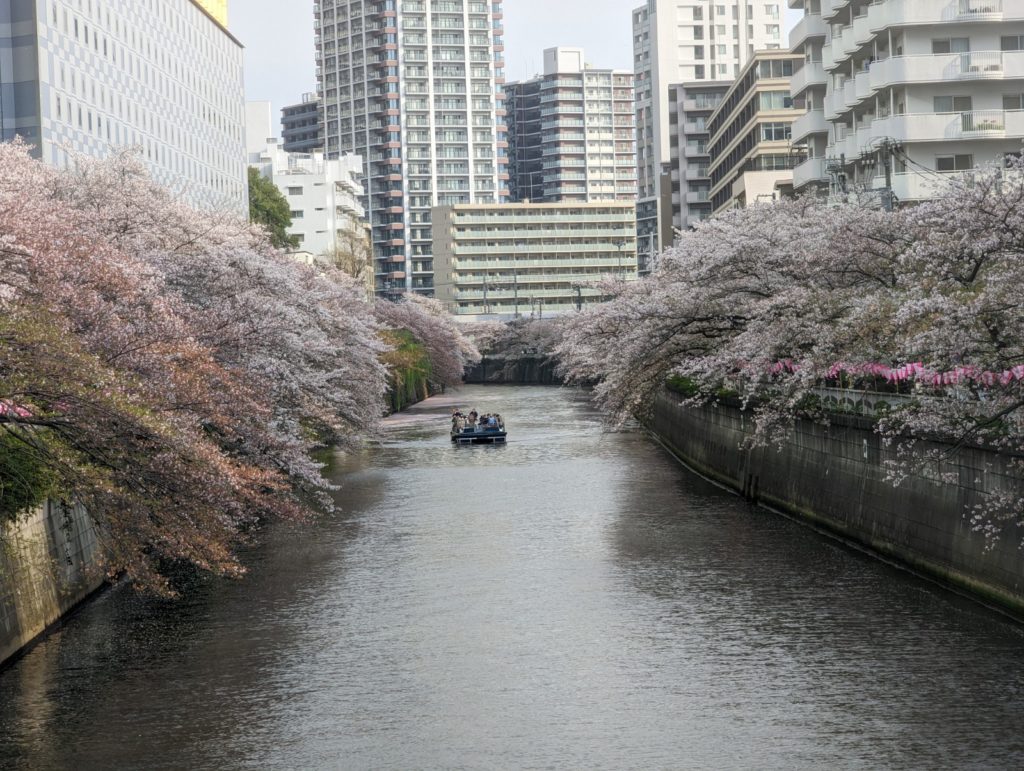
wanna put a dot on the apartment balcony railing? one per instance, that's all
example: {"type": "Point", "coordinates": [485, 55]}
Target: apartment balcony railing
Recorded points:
{"type": "Point", "coordinates": [811, 122]}
{"type": "Point", "coordinates": [810, 171]}
{"type": "Point", "coordinates": [905, 12]}
{"type": "Point", "coordinates": [811, 26]}
{"type": "Point", "coordinates": [810, 74]}
{"type": "Point", "coordinates": [976, 124]}
{"type": "Point", "coordinates": [973, 65]}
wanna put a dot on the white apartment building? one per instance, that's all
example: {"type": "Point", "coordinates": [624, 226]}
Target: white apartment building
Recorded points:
{"type": "Point", "coordinates": [572, 132]}
{"type": "Point", "coordinates": [518, 259]}
{"type": "Point", "coordinates": [926, 86]}
{"type": "Point", "coordinates": [676, 41]}
{"type": "Point", "coordinates": [415, 88]}
{"type": "Point", "coordinates": [324, 196]}
{"type": "Point", "coordinates": [164, 77]}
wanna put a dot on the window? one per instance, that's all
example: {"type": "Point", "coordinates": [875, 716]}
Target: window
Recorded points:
{"type": "Point", "coordinates": [295, 191]}
{"type": "Point", "coordinates": [776, 68]}
{"type": "Point", "coordinates": [951, 45]}
{"type": "Point", "coordinates": [954, 162]}
{"type": "Point", "coordinates": [296, 215]}
{"type": "Point", "coordinates": [775, 100]}
{"type": "Point", "coordinates": [952, 103]}
{"type": "Point", "coordinates": [1013, 102]}
{"type": "Point", "coordinates": [1012, 42]}
{"type": "Point", "coordinates": [775, 132]}
{"type": "Point", "coordinates": [772, 30]}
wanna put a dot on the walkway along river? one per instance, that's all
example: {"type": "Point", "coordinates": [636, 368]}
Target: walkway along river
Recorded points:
{"type": "Point", "coordinates": [575, 599]}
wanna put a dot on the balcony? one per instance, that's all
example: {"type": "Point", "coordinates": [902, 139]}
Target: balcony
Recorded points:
{"type": "Point", "coordinates": [862, 34]}
{"type": "Point", "coordinates": [811, 74]}
{"type": "Point", "coordinates": [898, 13]}
{"type": "Point", "coordinates": [810, 171]}
{"type": "Point", "coordinates": [976, 65]}
{"type": "Point", "coordinates": [936, 127]}
{"type": "Point", "coordinates": [914, 186]}
{"type": "Point", "coordinates": [845, 42]}
{"type": "Point", "coordinates": [811, 122]}
{"type": "Point", "coordinates": [830, 8]}
{"type": "Point", "coordinates": [828, 60]}
{"type": "Point", "coordinates": [810, 26]}
{"type": "Point", "coordinates": [862, 86]}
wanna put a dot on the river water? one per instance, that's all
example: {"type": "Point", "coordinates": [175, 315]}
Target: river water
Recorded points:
{"type": "Point", "coordinates": [575, 599]}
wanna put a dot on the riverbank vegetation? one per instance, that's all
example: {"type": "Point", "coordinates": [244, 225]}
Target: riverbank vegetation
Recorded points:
{"type": "Point", "coordinates": [774, 303]}
{"type": "Point", "coordinates": [170, 369]}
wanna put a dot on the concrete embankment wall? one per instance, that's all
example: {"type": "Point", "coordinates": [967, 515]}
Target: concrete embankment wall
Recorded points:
{"type": "Point", "coordinates": [521, 370]}
{"type": "Point", "coordinates": [834, 477]}
{"type": "Point", "coordinates": [48, 565]}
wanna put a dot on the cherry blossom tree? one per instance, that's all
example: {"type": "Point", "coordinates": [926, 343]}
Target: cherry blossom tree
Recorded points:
{"type": "Point", "coordinates": [771, 303]}
{"type": "Point", "coordinates": [449, 351]}
{"type": "Point", "coordinates": [168, 368]}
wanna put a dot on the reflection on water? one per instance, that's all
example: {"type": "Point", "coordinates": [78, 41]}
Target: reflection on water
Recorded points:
{"type": "Point", "coordinates": [573, 599]}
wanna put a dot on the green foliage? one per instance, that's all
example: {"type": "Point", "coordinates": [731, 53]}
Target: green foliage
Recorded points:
{"type": "Point", "coordinates": [25, 479]}
{"type": "Point", "coordinates": [685, 386]}
{"type": "Point", "coordinates": [682, 385]}
{"type": "Point", "coordinates": [269, 208]}
{"type": "Point", "coordinates": [409, 365]}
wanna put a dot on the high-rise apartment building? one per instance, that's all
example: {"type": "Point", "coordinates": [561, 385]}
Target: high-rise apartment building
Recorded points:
{"type": "Point", "coordinates": [691, 105]}
{"type": "Point", "coordinates": [751, 155]}
{"type": "Point", "coordinates": [300, 126]}
{"type": "Point", "coordinates": [677, 41]}
{"type": "Point", "coordinates": [572, 132]}
{"type": "Point", "coordinates": [416, 88]}
{"type": "Point", "coordinates": [165, 78]}
{"type": "Point", "coordinates": [927, 87]}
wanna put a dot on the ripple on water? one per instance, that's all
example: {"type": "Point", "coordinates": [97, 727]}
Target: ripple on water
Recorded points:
{"type": "Point", "coordinates": [574, 599]}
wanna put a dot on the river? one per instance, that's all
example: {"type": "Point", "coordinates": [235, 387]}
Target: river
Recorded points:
{"type": "Point", "coordinates": [575, 599]}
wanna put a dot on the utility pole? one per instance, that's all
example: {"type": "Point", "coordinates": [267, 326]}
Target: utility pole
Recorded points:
{"type": "Point", "coordinates": [487, 305]}
{"type": "Point", "coordinates": [887, 196]}
{"type": "Point", "coordinates": [620, 244]}
{"type": "Point", "coordinates": [515, 290]}
{"type": "Point", "coordinates": [579, 297]}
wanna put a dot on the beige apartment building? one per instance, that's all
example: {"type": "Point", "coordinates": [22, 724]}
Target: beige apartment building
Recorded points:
{"type": "Point", "coordinates": [523, 259]}
{"type": "Point", "coordinates": [752, 156]}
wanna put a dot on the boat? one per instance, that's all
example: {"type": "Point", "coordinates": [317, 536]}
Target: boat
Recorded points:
{"type": "Point", "coordinates": [490, 429]}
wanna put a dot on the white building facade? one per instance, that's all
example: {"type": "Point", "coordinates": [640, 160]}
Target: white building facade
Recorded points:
{"type": "Point", "coordinates": [164, 77]}
{"type": "Point", "coordinates": [676, 41]}
{"type": "Point", "coordinates": [414, 87]}
{"type": "Point", "coordinates": [927, 87]}
{"type": "Point", "coordinates": [324, 196]}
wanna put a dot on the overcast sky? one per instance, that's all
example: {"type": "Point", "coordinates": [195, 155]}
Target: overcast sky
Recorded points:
{"type": "Point", "coordinates": [279, 45]}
